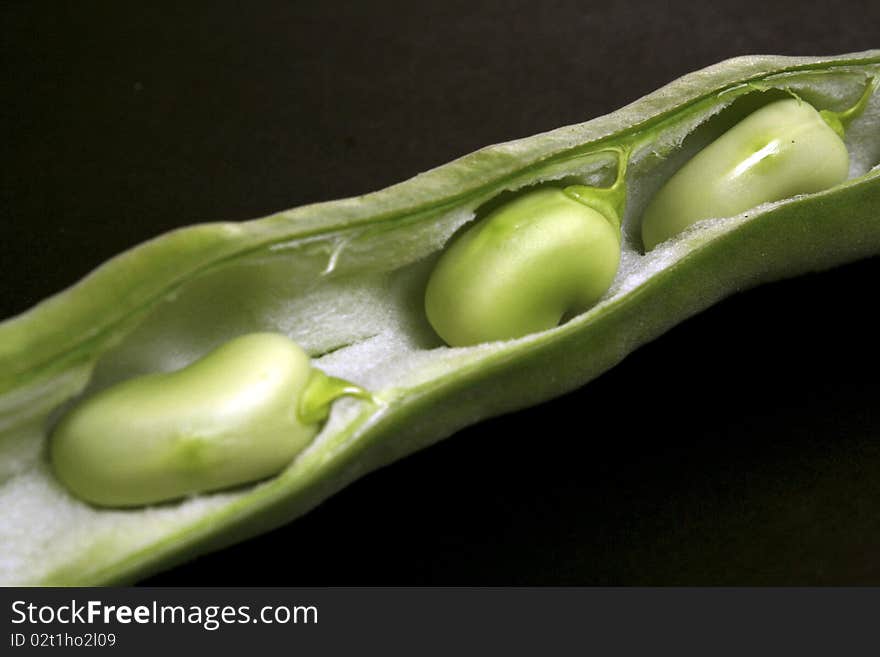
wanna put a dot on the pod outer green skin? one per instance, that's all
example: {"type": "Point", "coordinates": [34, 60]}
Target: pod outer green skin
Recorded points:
{"type": "Point", "coordinates": [47, 354]}
{"type": "Point", "coordinates": [227, 419]}
{"type": "Point", "coordinates": [781, 150]}
{"type": "Point", "coordinates": [521, 269]}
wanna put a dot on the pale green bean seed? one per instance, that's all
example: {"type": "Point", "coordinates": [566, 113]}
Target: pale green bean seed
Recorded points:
{"type": "Point", "coordinates": [784, 149]}
{"type": "Point", "coordinates": [523, 268]}
{"type": "Point", "coordinates": [239, 414]}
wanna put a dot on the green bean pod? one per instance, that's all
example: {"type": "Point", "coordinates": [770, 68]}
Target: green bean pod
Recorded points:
{"type": "Point", "coordinates": [348, 279]}
{"type": "Point", "coordinates": [239, 414]}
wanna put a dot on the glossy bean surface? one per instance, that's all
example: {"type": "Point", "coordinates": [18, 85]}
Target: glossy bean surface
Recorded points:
{"type": "Point", "coordinates": [522, 269]}
{"type": "Point", "coordinates": [784, 149]}
{"type": "Point", "coordinates": [229, 418]}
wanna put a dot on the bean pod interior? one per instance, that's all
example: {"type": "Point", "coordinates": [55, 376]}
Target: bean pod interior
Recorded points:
{"type": "Point", "coordinates": [353, 299]}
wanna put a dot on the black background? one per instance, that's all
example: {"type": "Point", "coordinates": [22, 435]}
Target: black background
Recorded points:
{"type": "Point", "coordinates": [743, 447]}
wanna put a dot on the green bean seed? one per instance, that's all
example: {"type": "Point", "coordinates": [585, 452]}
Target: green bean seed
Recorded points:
{"type": "Point", "coordinates": [784, 149]}
{"type": "Point", "coordinates": [548, 253]}
{"type": "Point", "coordinates": [239, 414]}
